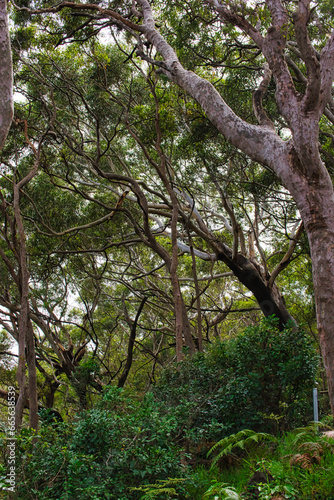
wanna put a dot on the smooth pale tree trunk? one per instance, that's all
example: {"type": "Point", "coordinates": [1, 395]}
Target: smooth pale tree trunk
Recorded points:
{"type": "Point", "coordinates": [315, 201]}
{"type": "Point", "coordinates": [6, 75]}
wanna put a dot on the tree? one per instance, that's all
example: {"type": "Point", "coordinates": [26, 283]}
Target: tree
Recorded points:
{"type": "Point", "coordinates": [298, 96]}
{"type": "Point", "coordinates": [6, 75]}
{"type": "Point", "coordinates": [296, 160]}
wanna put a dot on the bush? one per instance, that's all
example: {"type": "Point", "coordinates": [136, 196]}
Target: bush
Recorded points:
{"type": "Point", "coordinates": [261, 380]}
{"type": "Point", "coordinates": [117, 445]}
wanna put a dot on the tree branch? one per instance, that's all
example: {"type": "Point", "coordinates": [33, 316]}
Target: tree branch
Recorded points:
{"type": "Point", "coordinates": [295, 236]}
{"type": "Point", "coordinates": [309, 55]}
{"type": "Point", "coordinates": [258, 95]}
{"type": "Point", "coordinates": [327, 72]}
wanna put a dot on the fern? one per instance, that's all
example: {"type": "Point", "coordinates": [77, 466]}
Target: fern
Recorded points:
{"type": "Point", "coordinates": [301, 434]}
{"type": "Point", "coordinates": [309, 452]}
{"type": "Point", "coordinates": [161, 488]}
{"type": "Point", "coordinates": [166, 492]}
{"type": "Point", "coordinates": [221, 491]}
{"type": "Point", "coordinates": [244, 439]}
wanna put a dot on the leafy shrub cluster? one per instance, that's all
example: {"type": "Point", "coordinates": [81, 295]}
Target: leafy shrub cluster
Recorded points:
{"type": "Point", "coordinates": [128, 447]}
{"type": "Point", "coordinates": [261, 380]}
{"type": "Point", "coordinates": [297, 466]}
{"type": "Point", "coordinates": [118, 444]}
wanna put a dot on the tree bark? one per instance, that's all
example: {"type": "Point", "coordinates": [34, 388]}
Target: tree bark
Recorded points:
{"type": "Point", "coordinates": [131, 343]}
{"type": "Point", "coordinates": [315, 200]}
{"type": "Point", "coordinates": [26, 338]}
{"type": "Point", "coordinates": [6, 75]}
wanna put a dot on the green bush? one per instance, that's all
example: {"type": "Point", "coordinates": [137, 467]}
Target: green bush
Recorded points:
{"type": "Point", "coordinates": [261, 380]}
{"type": "Point", "coordinates": [119, 444]}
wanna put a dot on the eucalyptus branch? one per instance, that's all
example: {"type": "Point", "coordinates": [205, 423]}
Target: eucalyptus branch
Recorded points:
{"type": "Point", "coordinates": [294, 237]}
{"type": "Point", "coordinates": [258, 95]}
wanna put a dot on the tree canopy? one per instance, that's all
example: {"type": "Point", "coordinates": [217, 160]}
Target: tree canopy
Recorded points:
{"type": "Point", "coordinates": [167, 179]}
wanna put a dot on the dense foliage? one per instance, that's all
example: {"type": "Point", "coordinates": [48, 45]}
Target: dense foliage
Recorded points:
{"type": "Point", "coordinates": [165, 183]}
{"type": "Point", "coordinates": [261, 379]}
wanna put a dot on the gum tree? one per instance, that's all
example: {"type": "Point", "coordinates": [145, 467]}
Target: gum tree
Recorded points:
{"type": "Point", "coordinates": [6, 75]}
{"type": "Point", "coordinates": [283, 37]}
{"type": "Point", "coordinates": [303, 85]}
{"type": "Point", "coordinates": [295, 161]}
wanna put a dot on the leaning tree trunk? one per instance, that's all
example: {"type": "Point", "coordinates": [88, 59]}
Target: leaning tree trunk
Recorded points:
{"type": "Point", "coordinates": [253, 277]}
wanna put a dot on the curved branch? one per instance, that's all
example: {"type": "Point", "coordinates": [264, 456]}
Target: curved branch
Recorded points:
{"type": "Point", "coordinates": [295, 236]}
{"type": "Point", "coordinates": [309, 55]}
{"type": "Point", "coordinates": [227, 15]}
{"type": "Point", "coordinates": [256, 141]}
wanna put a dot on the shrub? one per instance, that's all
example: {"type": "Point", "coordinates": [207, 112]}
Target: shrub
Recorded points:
{"type": "Point", "coordinates": [119, 444]}
{"type": "Point", "coordinates": [260, 380]}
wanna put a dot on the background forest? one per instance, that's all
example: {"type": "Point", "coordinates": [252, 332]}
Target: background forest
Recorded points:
{"type": "Point", "coordinates": [162, 278]}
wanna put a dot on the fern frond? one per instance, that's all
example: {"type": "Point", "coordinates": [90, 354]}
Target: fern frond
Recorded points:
{"type": "Point", "coordinates": [231, 440]}
{"type": "Point", "coordinates": [242, 440]}
{"type": "Point", "coordinates": [223, 490]}
{"type": "Point", "coordinates": [165, 492]}
{"type": "Point", "coordinates": [161, 488]}
{"type": "Point", "coordinates": [308, 430]}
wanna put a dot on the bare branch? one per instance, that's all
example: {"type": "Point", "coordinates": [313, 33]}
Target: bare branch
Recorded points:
{"type": "Point", "coordinates": [295, 236]}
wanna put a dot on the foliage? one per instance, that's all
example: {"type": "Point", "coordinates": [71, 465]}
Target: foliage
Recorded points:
{"type": "Point", "coordinates": [261, 379]}
{"type": "Point", "coordinates": [118, 444]}
{"type": "Point", "coordinates": [57, 465]}
{"type": "Point", "coordinates": [221, 491]}
{"type": "Point", "coordinates": [243, 440]}
{"type": "Point", "coordinates": [163, 488]}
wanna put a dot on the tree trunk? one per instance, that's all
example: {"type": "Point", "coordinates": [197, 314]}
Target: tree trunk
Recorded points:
{"type": "Point", "coordinates": [252, 276]}
{"type": "Point", "coordinates": [316, 204]}
{"type": "Point", "coordinates": [182, 325]}
{"type": "Point", "coordinates": [25, 330]}
{"type": "Point", "coordinates": [6, 75]}
{"type": "Point", "coordinates": [133, 325]}
{"type": "Point", "coordinates": [322, 253]}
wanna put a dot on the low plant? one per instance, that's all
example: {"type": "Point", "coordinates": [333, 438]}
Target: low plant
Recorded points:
{"type": "Point", "coordinates": [221, 491]}
{"type": "Point", "coordinates": [164, 489]}
{"type": "Point", "coordinates": [243, 440]}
